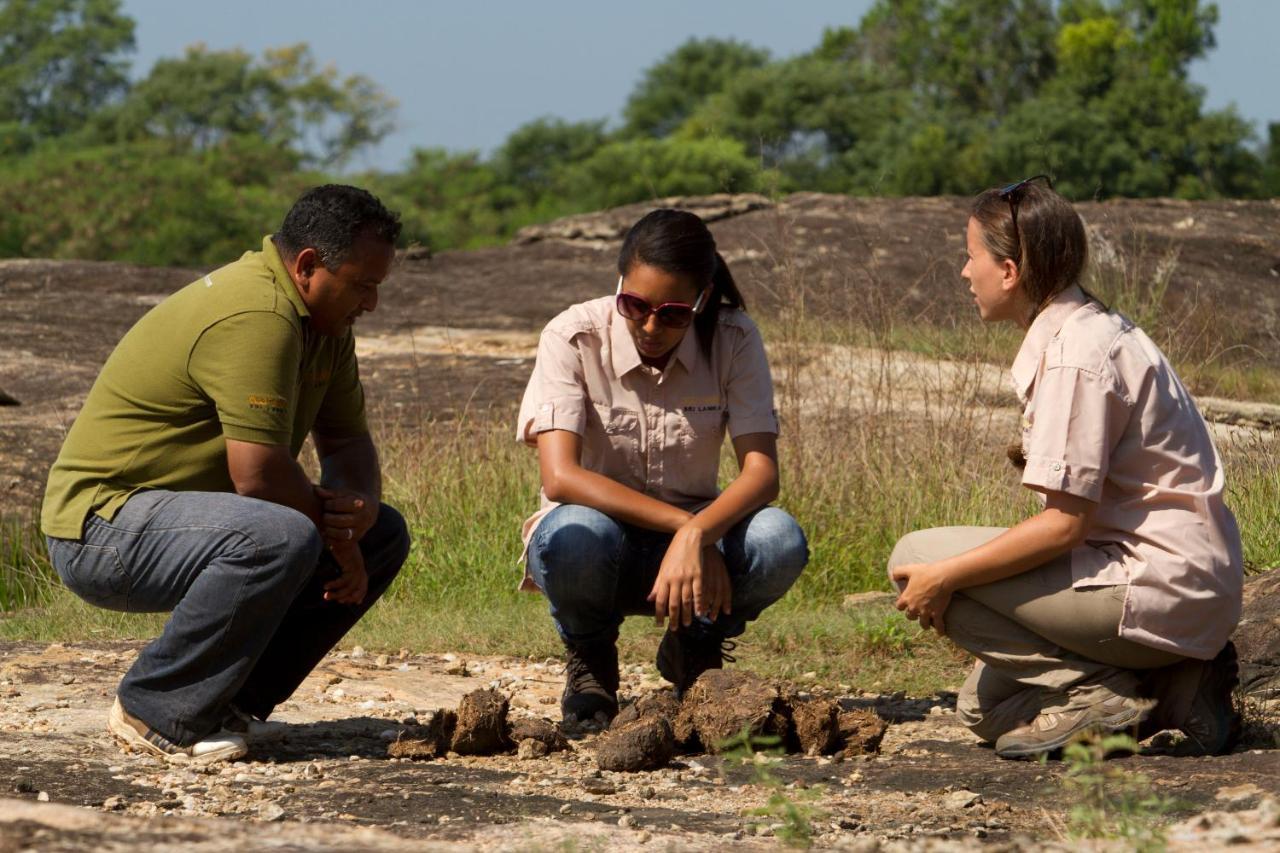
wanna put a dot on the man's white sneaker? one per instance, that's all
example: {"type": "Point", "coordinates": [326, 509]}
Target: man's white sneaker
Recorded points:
{"type": "Point", "coordinates": [251, 728]}
{"type": "Point", "coordinates": [137, 735]}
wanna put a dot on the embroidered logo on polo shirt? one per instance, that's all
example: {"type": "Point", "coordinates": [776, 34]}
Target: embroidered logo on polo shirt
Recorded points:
{"type": "Point", "coordinates": [265, 403]}
{"type": "Point", "coordinates": [693, 405]}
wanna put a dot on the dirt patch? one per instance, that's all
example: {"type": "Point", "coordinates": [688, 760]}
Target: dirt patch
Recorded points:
{"type": "Point", "coordinates": [328, 769]}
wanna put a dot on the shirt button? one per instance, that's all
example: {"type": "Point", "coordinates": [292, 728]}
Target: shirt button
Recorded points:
{"type": "Point", "coordinates": [1057, 466]}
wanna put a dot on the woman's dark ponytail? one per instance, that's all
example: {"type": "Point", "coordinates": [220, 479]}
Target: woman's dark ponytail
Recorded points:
{"type": "Point", "coordinates": [679, 242]}
{"type": "Point", "coordinates": [724, 292]}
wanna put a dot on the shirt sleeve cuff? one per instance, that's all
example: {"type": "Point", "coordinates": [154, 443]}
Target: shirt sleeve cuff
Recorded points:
{"type": "Point", "coordinates": [766, 422]}
{"type": "Point", "coordinates": [1055, 475]}
{"type": "Point", "coordinates": [567, 415]}
{"type": "Point", "coordinates": [255, 435]}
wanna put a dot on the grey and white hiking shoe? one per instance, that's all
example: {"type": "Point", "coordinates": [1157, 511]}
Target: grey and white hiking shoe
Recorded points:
{"type": "Point", "coordinates": [137, 735]}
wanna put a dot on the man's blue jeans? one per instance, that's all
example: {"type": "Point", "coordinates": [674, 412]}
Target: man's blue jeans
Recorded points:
{"type": "Point", "coordinates": [595, 570]}
{"type": "Point", "coordinates": [245, 581]}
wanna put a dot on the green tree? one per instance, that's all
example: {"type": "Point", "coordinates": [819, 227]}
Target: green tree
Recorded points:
{"type": "Point", "coordinates": [634, 170]}
{"type": "Point", "coordinates": [142, 202]}
{"type": "Point", "coordinates": [974, 55]}
{"type": "Point", "coordinates": [671, 90]}
{"type": "Point", "coordinates": [1270, 181]}
{"type": "Point", "coordinates": [535, 155]}
{"type": "Point", "coordinates": [206, 97]}
{"type": "Point", "coordinates": [448, 200]}
{"type": "Point", "coordinates": [60, 61]}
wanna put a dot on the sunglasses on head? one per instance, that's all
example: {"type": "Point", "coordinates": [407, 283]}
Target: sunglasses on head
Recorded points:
{"type": "Point", "coordinates": [673, 315]}
{"type": "Point", "coordinates": [1012, 194]}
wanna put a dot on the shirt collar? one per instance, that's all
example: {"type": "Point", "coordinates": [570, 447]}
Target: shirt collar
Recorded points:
{"type": "Point", "coordinates": [284, 281]}
{"type": "Point", "coordinates": [627, 358]}
{"type": "Point", "coordinates": [1044, 328]}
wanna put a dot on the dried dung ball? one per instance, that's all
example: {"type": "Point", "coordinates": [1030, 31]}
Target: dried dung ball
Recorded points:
{"type": "Point", "coordinates": [660, 703]}
{"type": "Point", "coordinates": [543, 731]}
{"type": "Point", "coordinates": [861, 732]}
{"type": "Point", "coordinates": [663, 703]}
{"type": "Point", "coordinates": [482, 724]}
{"type": "Point", "coordinates": [721, 704]}
{"type": "Point", "coordinates": [817, 727]}
{"type": "Point", "coordinates": [644, 744]}
{"type": "Point", "coordinates": [426, 741]}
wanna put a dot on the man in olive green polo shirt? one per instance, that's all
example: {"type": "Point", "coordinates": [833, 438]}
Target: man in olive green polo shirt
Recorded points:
{"type": "Point", "coordinates": [178, 486]}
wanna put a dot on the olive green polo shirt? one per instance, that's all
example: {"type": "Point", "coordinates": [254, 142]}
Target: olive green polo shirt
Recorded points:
{"type": "Point", "coordinates": [231, 355]}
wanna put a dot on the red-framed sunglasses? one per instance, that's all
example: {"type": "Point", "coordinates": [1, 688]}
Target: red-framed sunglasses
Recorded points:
{"type": "Point", "coordinates": [673, 315]}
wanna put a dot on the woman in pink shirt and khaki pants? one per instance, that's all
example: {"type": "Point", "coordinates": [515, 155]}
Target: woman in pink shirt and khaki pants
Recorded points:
{"type": "Point", "coordinates": [629, 403]}
{"type": "Point", "coordinates": [1113, 606]}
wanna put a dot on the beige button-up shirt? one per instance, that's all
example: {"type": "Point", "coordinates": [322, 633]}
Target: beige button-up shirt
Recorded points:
{"type": "Point", "coordinates": [1107, 419]}
{"type": "Point", "coordinates": [655, 431]}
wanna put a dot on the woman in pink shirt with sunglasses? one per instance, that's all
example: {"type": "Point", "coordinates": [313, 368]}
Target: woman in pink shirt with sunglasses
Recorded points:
{"type": "Point", "coordinates": [628, 406]}
{"type": "Point", "coordinates": [1113, 606]}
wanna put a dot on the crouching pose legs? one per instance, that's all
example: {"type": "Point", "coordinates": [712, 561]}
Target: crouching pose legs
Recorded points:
{"type": "Point", "coordinates": [628, 406]}
{"type": "Point", "coordinates": [595, 570]}
{"type": "Point", "coordinates": [178, 487]}
{"type": "Point", "coordinates": [1112, 607]}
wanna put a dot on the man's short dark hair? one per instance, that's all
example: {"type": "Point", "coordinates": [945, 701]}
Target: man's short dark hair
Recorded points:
{"type": "Point", "coordinates": [330, 218]}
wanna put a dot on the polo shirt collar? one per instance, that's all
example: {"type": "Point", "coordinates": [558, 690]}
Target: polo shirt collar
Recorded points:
{"type": "Point", "coordinates": [687, 350]}
{"type": "Point", "coordinates": [284, 281]}
{"type": "Point", "coordinates": [626, 357]}
{"type": "Point", "coordinates": [1046, 325]}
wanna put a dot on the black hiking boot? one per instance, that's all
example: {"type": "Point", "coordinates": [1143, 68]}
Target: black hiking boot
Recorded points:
{"type": "Point", "coordinates": [590, 681]}
{"type": "Point", "coordinates": [1213, 725]}
{"type": "Point", "coordinates": [684, 654]}
{"type": "Point", "coordinates": [1195, 697]}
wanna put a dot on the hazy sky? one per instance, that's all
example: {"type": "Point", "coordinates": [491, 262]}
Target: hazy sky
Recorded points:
{"type": "Point", "coordinates": [466, 74]}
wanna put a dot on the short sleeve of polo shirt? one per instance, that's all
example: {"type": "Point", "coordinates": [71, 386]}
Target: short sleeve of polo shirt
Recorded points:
{"type": "Point", "coordinates": [342, 412]}
{"type": "Point", "coordinates": [556, 395]}
{"type": "Point", "coordinates": [749, 389]}
{"type": "Point", "coordinates": [247, 364]}
{"type": "Point", "coordinates": [1080, 416]}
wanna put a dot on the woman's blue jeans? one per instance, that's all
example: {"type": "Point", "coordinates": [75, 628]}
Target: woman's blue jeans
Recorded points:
{"type": "Point", "coordinates": [595, 570]}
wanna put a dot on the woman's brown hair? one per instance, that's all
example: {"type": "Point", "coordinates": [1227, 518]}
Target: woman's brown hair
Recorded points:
{"type": "Point", "coordinates": [1039, 231]}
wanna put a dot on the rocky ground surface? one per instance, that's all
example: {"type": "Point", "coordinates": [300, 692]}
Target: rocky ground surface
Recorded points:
{"type": "Point", "coordinates": [324, 781]}
{"type": "Point", "coordinates": [456, 332]}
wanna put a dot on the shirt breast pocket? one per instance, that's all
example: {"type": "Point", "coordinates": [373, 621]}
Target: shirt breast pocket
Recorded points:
{"type": "Point", "coordinates": [620, 452]}
{"type": "Point", "coordinates": [699, 436]}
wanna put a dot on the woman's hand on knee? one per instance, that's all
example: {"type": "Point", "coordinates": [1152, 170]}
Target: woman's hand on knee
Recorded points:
{"type": "Point", "coordinates": [717, 591]}
{"type": "Point", "coordinates": [691, 581]}
{"type": "Point", "coordinates": [925, 596]}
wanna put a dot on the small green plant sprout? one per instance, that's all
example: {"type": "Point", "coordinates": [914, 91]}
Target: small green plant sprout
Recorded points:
{"type": "Point", "coordinates": [790, 812]}
{"type": "Point", "coordinates": [1109, 802]}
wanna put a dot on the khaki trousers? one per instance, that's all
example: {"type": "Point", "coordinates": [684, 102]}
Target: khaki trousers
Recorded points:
{"type": "Point", "coordinates": [1041, 645]}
